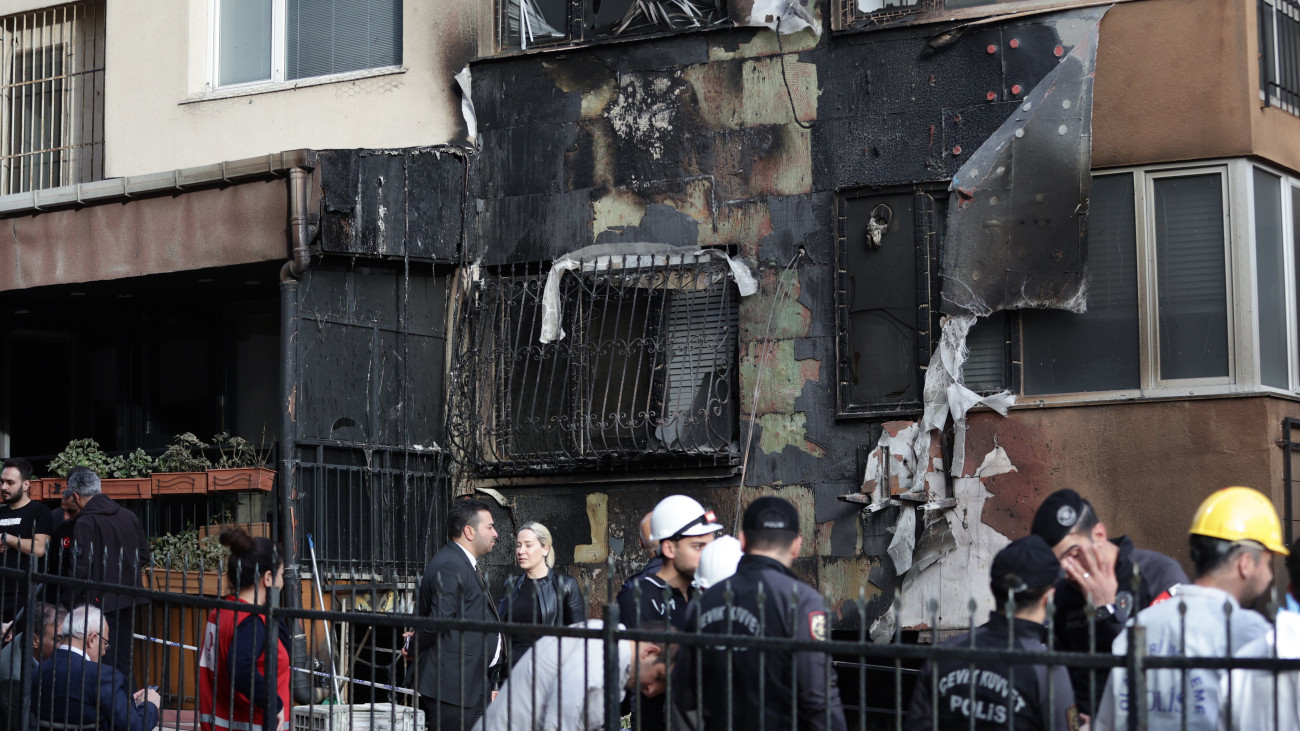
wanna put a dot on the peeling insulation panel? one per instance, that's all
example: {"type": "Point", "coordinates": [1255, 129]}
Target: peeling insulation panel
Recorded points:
{"type": "Point", "coordinates": [1017, 217]}
{"type": "Point", "coordinates": [393, 202]}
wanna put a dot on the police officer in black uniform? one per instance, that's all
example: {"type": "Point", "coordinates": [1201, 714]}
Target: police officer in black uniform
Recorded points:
{"type": "Point", "coordinates": [1101, 569]}
{"type": "Point", "coordinates": [1037, 697]}
{"type": "Point", "coordinates": [788, 690]}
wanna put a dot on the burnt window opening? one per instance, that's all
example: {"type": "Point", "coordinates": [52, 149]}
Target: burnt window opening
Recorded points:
{"type": "Point", "coordinates": [889, 249]}
{"type": "Point", "coordinates": [525, 24]}
{"type": "Point", "coordinates": [644, 377]}
{"type": "Point", "coordinates": [872, 13]}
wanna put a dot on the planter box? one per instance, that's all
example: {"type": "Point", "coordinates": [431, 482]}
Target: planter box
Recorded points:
{"type": "Point", "coordinates": [179, 483]}
{"type": "Point", "coordinates": [51, 488]}
{"type": "Point", "coordinates": [256, 530]}
{"type": "Point", "coordinates": [128, 488]}
{"type": "Point", "coordinates": [195, 583]}
{"type": "Point", "coordinates": [36, 490]}
{"type": "Point", "coordinates": [240, 479]}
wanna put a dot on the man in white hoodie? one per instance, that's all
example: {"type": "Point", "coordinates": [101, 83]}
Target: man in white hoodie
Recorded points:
{"type": "Point", "coordinates": [1258, 694]}
{"type": "Point", "coordinates": [1233, 538]}
{"type": "Point", "coordinates": [559, 684]}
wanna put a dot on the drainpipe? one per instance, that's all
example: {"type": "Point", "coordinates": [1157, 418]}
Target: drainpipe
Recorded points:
{"type": "Point", "coordinates": [300, 233]}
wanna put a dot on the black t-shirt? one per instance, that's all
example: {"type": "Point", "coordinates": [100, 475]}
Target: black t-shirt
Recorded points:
{"type": "Point", "coordinates": [524, 608]}
{"type": "Point", "coordinates": [25, 522]}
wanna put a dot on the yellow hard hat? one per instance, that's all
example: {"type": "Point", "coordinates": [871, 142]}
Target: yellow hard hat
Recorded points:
{"type": "Point", "coordinates": [1240, 514]}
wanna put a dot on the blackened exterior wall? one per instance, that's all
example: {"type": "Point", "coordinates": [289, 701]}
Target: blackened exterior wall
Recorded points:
{"type": "Point", "coordinates": [695, 139]}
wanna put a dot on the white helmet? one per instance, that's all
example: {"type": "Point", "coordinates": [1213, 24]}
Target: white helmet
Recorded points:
{"type": "Point", "coordinates": [677, 515]}
{"type": "Point", "coordinates": [717, 562]}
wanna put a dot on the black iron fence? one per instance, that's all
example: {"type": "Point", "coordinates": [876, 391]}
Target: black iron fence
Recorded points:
{"type": "Point", "coordinates": [1279, 53]}
{"type": "Point", "coordinates": [356, 668]}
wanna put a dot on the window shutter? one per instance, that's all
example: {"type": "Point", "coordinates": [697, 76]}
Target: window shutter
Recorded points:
{"type": "Point", "coordinates": [701, 344]}
{"type": "Point", "coordinates": [335, 36]}
{"type": "Point", "coordinates": [1191, 274]}
{"type": "Point", "coordinates": [1270, 271]}
{"type": "Point", "coordinates": [986, 356]}
{"type": "Point", "coordinates": [1098, 350]}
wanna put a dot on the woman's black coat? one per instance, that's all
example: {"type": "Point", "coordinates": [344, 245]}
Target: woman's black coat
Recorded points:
{"type": "Point", "coordinates": [559, 603]}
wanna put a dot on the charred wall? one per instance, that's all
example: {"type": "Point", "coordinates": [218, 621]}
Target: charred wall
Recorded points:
{"type": "Point", "coordinates": [392, 203]}
{"type": "Point", "coordinates": [733, 138]}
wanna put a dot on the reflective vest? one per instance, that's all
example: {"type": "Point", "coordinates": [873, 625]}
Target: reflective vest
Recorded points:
{"type": "Point", "coordinates": [222, 707]}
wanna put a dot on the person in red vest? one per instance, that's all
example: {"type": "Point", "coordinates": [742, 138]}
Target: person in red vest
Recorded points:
{"type": "Point", "coordinates": [242, 684]}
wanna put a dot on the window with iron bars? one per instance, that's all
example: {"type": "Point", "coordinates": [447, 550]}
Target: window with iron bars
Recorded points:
{"type": "Point", "coordinates": [1279, 54]}
{"type": "Point", "coordinates": [528, 23]}
{"type": "Point", "coordinates": [52, 97]}
{"type": "Point", "coordinates": [644, 376]}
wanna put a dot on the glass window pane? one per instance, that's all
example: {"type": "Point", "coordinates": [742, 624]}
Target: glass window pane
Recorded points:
{"type": "Point", "coordinates": [245, 50]}
{"type": "Point", "coordinates": [1270, 270]}
{"type": "Point", "coordinates": [334, 36]}
{"type": "Point", "coordinates": [1295, 246]}
{"type": "Point", "coordinates": [1098, 350]}
{"type": "Point", "coordinates": [1191, 277]}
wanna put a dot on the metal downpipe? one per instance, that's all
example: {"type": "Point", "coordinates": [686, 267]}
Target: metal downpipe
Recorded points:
{"type": "Point", "coordinates": [300, 234]}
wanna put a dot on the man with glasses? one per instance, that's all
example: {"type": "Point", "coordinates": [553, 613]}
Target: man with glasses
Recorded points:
{"type": "Point", "coordinates": [74, 689]}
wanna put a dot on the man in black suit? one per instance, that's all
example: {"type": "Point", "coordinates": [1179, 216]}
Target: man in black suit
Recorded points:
{"type": "Point", "coordinates": [452, 666]}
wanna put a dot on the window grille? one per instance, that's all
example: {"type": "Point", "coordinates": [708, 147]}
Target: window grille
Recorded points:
{"type": "Point", "coordinates": [528, 23]}
{"type": "Point", "coordinates": [52, 97]}
{"type": "Point", "coordinates": [644, 376]}
{"type": "Point", "coordinates": [870, 13]}
{"type": "Point", "coordinates": [1279, 54]}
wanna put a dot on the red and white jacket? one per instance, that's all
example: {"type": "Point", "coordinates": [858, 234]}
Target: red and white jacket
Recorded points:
{"type": "Point", "coordinates": [221, 706]}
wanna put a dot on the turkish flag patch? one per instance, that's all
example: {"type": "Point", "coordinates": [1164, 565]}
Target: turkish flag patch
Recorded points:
{"type": "Point", "coordinates": [817, 625]}
{"type": "Point", "coordinates": [67, 542]}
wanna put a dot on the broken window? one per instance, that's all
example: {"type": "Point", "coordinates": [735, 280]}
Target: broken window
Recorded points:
{"type": "Point", "coordinates": [890, 245]}
{"type": "Point", "coordinates": [529, 23]}
{"type": "Point", "coordinates": [867, 13]}
{"type": "Point", "coordinates": [1279, 54]}
{"type": "Point", "coordinates": [643, 375]}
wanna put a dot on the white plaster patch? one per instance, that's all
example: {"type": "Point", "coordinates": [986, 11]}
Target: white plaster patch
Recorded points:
{"type": "Point", "coordinates": [643, 113]}
{"type": "Point", "coordinates": [959, 576]}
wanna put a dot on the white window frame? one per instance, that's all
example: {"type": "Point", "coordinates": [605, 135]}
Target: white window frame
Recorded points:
{"type": "Point", "coordinates": [1148, 286]}
{"type": "Point", "coordinates": [1241, 262]}
{"type": "Point", "coordinates": [279, 10]}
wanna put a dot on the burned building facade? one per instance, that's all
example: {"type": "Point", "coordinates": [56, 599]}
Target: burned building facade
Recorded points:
{"type": "Point", "coordinates": [910, 266]}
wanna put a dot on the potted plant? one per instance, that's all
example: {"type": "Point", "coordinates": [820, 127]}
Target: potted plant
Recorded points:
{"type": "Point", "coordinates": [125, 476]}
{"type": "Point", "coordinates": [128, 476]}
{"type": "Point", "coordinates": [240, 467]}
{"type": "Point", "coordinates": [181, 470]}
{"type": "Point", "coordinates": [186, 563]}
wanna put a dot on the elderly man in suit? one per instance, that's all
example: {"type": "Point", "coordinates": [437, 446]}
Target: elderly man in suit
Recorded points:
{"type": "Point", "coordinates": [74, 689]}
{"type": "Point", "coordinates": [451, 666]}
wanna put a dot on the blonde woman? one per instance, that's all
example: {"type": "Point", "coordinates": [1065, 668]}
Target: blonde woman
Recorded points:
{"type": "Point", "coordinates": [540, 595]}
